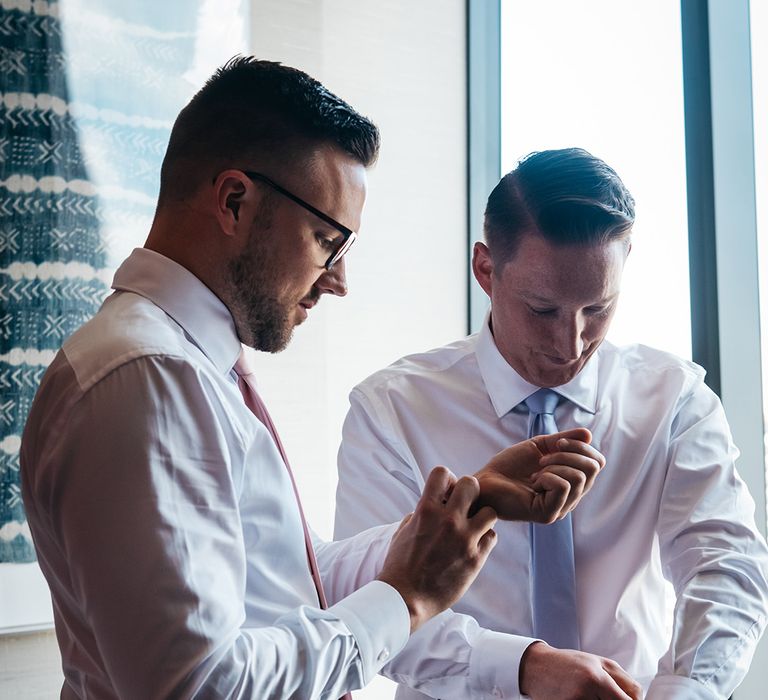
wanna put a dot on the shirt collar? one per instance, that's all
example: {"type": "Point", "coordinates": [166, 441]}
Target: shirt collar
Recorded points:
{"type": "Point", "coordinates": [506, 388]}
{"type": "Point", "coordinates": [184, 297]}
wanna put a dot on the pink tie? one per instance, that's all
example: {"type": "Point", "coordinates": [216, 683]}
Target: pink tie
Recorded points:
{"type": "Point", "coordinates": [247, 384]}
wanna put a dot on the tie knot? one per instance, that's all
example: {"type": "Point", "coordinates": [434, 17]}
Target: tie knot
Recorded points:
{"type": "Point", "coordinates": [544, 401]}
{"type": "Point", "coordinates": [243, 366]}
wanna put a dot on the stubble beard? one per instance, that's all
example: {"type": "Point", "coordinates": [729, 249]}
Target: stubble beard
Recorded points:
{"type": "Point", "coordinates": [263, 321]}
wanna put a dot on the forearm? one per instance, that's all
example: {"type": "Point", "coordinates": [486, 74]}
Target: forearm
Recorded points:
{"type": "Point", "coordinates": [711, 551]}
{"type": "Point", "coordinates": [450, 657]}
{"type": "Point", "coordinates": [348, 564]}
{"type": "Point", "coordinates": [719, 618]}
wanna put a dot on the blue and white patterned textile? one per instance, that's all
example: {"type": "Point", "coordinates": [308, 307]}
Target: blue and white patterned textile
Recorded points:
{"type": "Point", "coordinates": [88, 93]}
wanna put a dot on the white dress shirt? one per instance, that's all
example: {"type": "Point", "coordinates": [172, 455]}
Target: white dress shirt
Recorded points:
{"type": "Point", "coordinates": [166, 524]}
{"type": "Point", "coordinates": [668, 506]}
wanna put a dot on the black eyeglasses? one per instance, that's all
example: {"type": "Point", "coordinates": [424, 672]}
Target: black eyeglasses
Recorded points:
{"type": "Point", "coordinates": [348, 234]}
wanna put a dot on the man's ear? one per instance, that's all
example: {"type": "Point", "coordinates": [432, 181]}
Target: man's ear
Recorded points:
{"type": "Point", "coordinates": [482, 267]}
{"type": "Point", "coordinates": [231, 193]}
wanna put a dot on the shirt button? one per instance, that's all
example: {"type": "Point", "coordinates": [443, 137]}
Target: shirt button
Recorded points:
{"type": "Point", "coordinates": [496, 692]}
{"type": "Point", "coordinates": [383, 654]}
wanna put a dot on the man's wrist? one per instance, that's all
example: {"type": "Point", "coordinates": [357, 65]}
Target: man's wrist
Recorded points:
{"type": "Point", "coordinates": [419, 608]}
{"type": "Point", "coordinates": [528, 663]}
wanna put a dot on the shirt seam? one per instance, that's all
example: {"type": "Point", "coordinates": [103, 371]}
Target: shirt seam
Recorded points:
{"type": "Point", "coordinates": [741, 642]}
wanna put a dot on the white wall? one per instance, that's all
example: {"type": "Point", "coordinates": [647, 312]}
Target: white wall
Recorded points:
{"type": "Point", "coordinates": [403, 64]}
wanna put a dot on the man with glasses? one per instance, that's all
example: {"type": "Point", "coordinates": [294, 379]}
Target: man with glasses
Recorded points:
{"type": "Point", "coordinates": [590, 590]}
{"type": "Point", "coordinates": [338, 247]}
{"type": "Point", "coordinates": [160, 499]}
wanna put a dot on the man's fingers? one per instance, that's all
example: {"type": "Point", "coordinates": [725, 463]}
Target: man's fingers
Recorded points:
{"type": "Point", "coordinates": [548, 443]}
{"type": "Point", "coordinates": [577, 482]}
{"type": "Point", "coordinates": [627, 684]}
{"type": "Point", "coordinates": [436, 487]}
{"type": "Point", "coordinates": [569, 446]}
{"type": "Point", "coordinates": [404, 522]}
{"type": "Point", "coordinates": [586, 465]}
{"type": "Point", "coordinates": [486, 543]}
{"type": "Point", "coordinates": [464, 494]}
{"type": "Point", "coordinates": [463, 497]}
{"type": "Point", "coordinates": [552, 500]}
{"type": "Point", "coordinates": [610, 690]}
{"type": "Point", "coordinates": [484, 519]}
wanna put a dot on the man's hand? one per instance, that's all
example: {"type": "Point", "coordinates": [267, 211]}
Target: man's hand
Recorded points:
{"type": "Point", "coordinates": [541, 479]}
{"type": "Point", "coordinates": [562, 674]}
{"type": "Point", "coordinates": [439, 549]}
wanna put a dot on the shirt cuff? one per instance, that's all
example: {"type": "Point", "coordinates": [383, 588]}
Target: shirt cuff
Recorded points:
{"type": "Point", "coordinates": [494, 665]}
{"type": "Point", "coordinates": [679, 688]}
{"type": "Point", "coordinates": [379, 620]}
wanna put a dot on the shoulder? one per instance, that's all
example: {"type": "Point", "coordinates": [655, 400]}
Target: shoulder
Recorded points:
{"type": "Point", "coordinates": [653, 377]}
{"type": "Point", "coordinates": [649, 364]}
{"type": "Point", "coordinates": [421, 369]}
{"type": "Point", "coordinates": [127, 327]}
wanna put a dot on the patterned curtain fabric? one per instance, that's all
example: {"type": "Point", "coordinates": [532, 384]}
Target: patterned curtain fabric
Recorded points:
{"type": "Point", "coordinates": [49, 227]}
{"type": "Point", "coordinates": [88, 93]}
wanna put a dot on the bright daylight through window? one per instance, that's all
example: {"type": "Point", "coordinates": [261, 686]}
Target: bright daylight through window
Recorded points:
{"type": "Point", "coordinates": [610, 80]}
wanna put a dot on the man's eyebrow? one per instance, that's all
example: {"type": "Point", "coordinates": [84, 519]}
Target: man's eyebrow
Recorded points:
{"type": "Point", "coordinates": [532, 296]}
{"type": "Point", "coordinates": [608, 299]}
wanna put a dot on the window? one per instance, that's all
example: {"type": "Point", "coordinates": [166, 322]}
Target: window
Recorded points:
{"type": "Point", "coordinates": [584, 74]}
{"type": "Point", "coordinates": [759, 32]}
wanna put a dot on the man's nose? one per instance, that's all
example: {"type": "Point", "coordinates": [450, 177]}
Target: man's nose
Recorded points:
{"type": "Point", "coordinates": [570, 341]}
{"type": "Point", "coordinates": [334, 281]}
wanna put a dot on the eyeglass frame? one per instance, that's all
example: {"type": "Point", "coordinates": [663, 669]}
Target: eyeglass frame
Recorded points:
{"type": "Point", "coordinates": [349, 235]}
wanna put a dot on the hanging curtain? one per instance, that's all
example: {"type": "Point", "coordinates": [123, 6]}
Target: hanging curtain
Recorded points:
{"type": "Point", "coordinates": [88, 93]}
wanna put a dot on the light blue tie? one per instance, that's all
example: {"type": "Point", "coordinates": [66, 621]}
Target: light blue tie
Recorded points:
{"type": "Point", "coordinates": [553, 584]}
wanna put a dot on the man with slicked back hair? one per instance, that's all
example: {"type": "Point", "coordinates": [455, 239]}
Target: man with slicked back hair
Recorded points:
{"type": "Point", "coordinates": [586, 596]}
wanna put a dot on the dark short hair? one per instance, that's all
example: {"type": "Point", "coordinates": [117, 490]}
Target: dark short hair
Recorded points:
{"type": "Point", "coordinates": [250, 108]}
{"type": "Point", "coordinates": [568, 196]}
